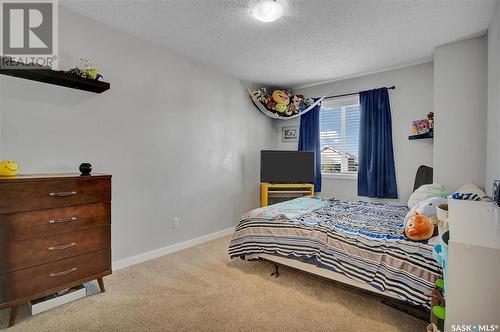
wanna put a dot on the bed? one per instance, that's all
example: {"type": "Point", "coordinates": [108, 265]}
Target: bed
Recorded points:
{"type": "Point", "coordinates": [356, 243]}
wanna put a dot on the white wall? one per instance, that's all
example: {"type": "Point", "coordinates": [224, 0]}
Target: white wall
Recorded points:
{"type": "Point", "coordinates": [460, 84]}
{"type": "Point", "coordinates": [179, 138]}
{"type": "Point", "coordinates": [493, 116]}
{"type": "Point", "coordinates": [412, 99]}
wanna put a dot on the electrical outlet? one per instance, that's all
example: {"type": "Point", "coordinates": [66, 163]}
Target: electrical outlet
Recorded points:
{"type": "Point", "coordinates": [176, 223]}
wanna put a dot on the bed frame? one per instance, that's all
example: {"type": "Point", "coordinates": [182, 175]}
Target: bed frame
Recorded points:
{"type": "Point", "coordinates": [424, 176]}
{"type": "Point", "coordinates": [341, 280]}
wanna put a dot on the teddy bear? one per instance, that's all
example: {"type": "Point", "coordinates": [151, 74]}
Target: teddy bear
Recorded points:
{"type": "Point", "coordinates": [419, 228]}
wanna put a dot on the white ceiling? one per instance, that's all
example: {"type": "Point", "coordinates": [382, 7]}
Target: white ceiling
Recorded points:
{"type": "Point", "coordinates": [315, 40]}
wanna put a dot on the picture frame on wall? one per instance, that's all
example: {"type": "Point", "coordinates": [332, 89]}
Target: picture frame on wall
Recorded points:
{"type": "Point", "coordinates": [290, 134]}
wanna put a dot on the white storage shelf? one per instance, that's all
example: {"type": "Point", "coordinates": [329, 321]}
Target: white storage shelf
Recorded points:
{"type": "Point", "coordinates": [474, 223]}
{"type": "Point", "coordinates": [473, 283]}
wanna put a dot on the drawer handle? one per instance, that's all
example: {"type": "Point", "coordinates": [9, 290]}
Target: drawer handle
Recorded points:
{"type": "Point", "coordinates": [62, 273]}
{"type": "Point", "coordinates": [63, 246]}
{"type": "Point", "coordinates": [62, 220]}
{"type": "Point", "coordinates": [62, 193]}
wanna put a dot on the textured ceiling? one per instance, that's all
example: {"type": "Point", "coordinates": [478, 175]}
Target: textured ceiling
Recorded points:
{"type": "Point", "coordinates": [315, 40]}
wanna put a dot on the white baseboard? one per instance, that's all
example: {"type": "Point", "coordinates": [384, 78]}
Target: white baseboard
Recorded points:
{"type": "Point", "coordinates": [129, 261]}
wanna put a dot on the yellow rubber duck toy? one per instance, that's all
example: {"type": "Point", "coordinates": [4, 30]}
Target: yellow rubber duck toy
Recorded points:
{"type": "Point", "coordinates": [8, 168]}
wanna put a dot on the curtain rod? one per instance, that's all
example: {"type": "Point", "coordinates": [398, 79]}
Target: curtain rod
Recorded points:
{"type": "Point", "coordinates": [354, 93]}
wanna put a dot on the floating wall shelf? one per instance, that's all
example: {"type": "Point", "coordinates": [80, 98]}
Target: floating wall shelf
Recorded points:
{"type": "Point", "coordinates": [49, 76]}
{"type": "Point", "coordinates": [422, 136]}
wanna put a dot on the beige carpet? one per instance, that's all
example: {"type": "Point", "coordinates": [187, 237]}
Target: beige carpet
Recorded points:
{"type": "Point", "coordinates": [200, 289]}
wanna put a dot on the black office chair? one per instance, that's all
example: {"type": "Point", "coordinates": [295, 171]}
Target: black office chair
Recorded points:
{"type": "Point", "coordinates": [424, 176]}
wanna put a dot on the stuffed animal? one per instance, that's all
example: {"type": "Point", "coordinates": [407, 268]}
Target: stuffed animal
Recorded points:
{"type": "Point", "coordinates": [280, 97]}
{"type": "Point", "coordinates": [270, 104]}
{"type": "Point", "coordinates": [302, 106]}
{"type": "Point", "coordinates": [419, 228]}
{"type": "Point", "coordinates": [92, 73]}
{"type": "Point", "coordinates": [292, 109]}
{"type": "Point", "coordinates": [420, 126]}
{"type": "Point", "coordinates": [8, 168]}
{"type": "Point", "coordinates": [306, 103]}
{"type": "Point", "coordinates": [89, 71]}
{"type": "Point", "coordinates": [428, 207]}
{"type": "Point", "coordinates": [297, 99]}
{"type": "Point", "coordinates": [258, 95]}
{"type": "Point", "coordinates": [281, 108]}
{"type": "Point", "coordinates": [430, 117]}
{"type": "Point", "coordinates": [282, 100]}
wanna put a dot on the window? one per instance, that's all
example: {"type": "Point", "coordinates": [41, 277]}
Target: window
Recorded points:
{"type": "Point", "coordinates": [339, 132]}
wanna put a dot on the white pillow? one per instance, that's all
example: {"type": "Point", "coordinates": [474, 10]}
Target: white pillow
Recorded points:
{"type": "Point", "coordinates": [427, 191]}
{"type": "Point", "coordinates": [470, 187]}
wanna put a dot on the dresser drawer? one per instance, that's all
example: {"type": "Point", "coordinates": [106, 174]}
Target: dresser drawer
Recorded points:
{"type": "Point", "coordinates": [37, 224]}
{"type": "Point", "coordinates": [18, 196]}
{"type": "Point", "coordinates": [23, 254]}
{"type": "Point", "coordinates": [43, 278]}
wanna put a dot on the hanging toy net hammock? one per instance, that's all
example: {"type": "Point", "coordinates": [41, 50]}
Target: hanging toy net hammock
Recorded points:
{"type": "Point", "coordinates": [282, 104]}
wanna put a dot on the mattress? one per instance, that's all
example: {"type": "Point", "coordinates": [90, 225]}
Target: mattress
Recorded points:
{"type": "Point", "coordinates": [363, 241]}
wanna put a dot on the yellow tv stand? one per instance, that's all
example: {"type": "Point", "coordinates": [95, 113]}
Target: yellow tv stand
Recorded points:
{"type": "Point", "coordinates": [271, 193]}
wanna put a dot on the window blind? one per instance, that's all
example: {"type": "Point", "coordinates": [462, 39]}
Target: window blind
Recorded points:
{"type": "Point", "coordinates": [339, 134]}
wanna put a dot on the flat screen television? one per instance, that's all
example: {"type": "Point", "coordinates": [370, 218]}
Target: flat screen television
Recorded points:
{"type": "Point", "coordinates": [286, 166]}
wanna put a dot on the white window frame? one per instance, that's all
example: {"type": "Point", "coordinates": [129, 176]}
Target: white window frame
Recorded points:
{"type": "Point", "coordinates": [340, 176]}
{"type": "Point", "coordinates": [342, 102]}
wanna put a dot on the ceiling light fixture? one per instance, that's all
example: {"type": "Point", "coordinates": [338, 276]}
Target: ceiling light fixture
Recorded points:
{"type": "Point", "coordinates": [267, 10]}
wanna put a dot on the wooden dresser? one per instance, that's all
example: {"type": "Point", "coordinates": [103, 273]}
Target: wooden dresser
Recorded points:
{"type": "Point", "coordinates": [55, 233]}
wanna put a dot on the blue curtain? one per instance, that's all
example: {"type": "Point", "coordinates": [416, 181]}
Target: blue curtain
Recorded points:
{"type": "Point", "coordinates": [309, 140]}
{"type": "Point", "coordinates": [376, 172]}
